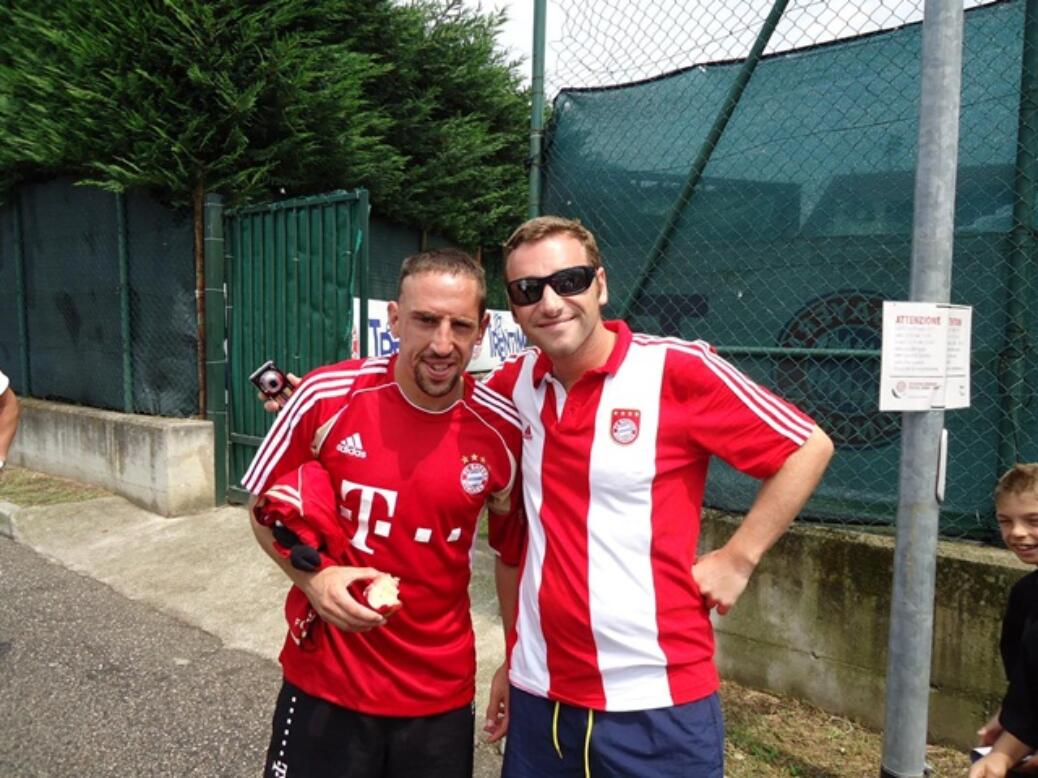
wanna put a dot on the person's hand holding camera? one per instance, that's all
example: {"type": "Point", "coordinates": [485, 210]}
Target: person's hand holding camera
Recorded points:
{"type": "Point", "coordinates": [276, 403]}
{"type": "Point", "coordinates": [275, 386]}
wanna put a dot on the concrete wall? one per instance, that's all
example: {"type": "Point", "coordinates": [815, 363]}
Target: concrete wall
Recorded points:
{"type": "Point", "coordinates": [164, 465]}
{"type": "Point", "coordinates": [814, 624]}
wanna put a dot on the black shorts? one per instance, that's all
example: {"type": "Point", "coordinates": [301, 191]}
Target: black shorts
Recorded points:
{"type": "Point", "coordinates": [312, 738]}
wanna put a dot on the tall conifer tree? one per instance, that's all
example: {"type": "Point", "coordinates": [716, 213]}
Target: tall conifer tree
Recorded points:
{"type": "Point", "coordinates": [411, 101]}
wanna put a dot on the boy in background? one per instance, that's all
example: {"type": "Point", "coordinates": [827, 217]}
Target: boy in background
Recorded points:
{"type": "Point", "coordinates": [1012, 732]}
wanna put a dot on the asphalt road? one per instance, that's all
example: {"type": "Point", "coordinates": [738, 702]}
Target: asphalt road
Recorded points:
{"type": "Point", "coordinates": [93, 683]}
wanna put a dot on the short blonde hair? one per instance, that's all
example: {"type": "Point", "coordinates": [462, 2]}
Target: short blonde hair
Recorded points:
{"type": "Point", "coordinates": [1021, 478]}
{"type": "Point", "coordinates": [543, 227]}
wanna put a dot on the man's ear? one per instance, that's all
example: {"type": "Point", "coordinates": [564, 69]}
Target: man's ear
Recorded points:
{"type": "Point", "coordinates": [483, 324]}
{"type": "Point", "coordinates": [393, 313]}
{"type": "Point", "coordinates": [603, 289]}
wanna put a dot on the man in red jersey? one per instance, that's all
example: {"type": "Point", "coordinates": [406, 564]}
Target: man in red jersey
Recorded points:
{"type": "Point", "coordinates": [611, 659]}
{"type": "Point", "coordinates": [415, 449]}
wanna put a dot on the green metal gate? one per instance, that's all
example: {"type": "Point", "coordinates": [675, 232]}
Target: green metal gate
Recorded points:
{"type": "Point", "coordinates": [293, 270]}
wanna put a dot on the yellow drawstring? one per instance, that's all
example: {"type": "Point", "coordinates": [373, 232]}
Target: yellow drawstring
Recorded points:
{"type": "Point", "coordinates": [587, 743]}
{"type": "Point", "coordinates": [555, 730]}
{"type": "Point", "coordinates": [587, 737]}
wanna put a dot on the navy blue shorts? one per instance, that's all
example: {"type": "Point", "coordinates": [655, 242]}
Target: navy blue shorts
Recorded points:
{"type": "Point", "coordinates": [684, 740]}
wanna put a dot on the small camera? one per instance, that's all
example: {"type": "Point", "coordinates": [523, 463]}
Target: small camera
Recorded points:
{"type": "Point", "coordinates": [269, 379]}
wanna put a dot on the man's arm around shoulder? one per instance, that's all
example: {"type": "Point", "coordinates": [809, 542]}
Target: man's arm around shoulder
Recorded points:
{"type": "Point", "coordinates": [722, 575]}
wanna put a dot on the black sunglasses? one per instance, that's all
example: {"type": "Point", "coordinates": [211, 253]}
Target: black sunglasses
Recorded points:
{"type": "Point", "coordinates": [568, 282]}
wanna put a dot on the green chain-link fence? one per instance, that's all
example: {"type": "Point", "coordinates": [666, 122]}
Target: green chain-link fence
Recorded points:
{"type": "Point", "coordinates": [97, 299]}
{"type": "Point", "coordinates": [765, 205]}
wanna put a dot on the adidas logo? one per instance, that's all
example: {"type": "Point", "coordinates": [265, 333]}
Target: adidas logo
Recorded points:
{"type": "Point", "coordinates": [351, 446]}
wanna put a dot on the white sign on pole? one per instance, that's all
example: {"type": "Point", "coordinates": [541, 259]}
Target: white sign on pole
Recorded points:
{"type": "Point", "coordinates": [925, 362]}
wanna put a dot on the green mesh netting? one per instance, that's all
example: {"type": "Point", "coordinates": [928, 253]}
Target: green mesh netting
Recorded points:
{"type": "Point", "coordinates": [801, 226]}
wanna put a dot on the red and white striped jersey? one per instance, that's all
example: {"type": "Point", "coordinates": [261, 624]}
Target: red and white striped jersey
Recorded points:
{"type": "Point", "coordinates": [410, 486]}
{"type": "Point", "coordinates": [614, 470]}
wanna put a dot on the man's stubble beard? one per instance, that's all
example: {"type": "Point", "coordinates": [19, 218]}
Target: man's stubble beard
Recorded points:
{"type": "Point", "coordinates": [436, 389]}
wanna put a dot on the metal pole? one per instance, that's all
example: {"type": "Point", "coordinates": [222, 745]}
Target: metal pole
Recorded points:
{"type": "Point", "coordinates": [362, 259]}
{"type": "Point", "coordinates": [540, 12]}
{"type": "Point", "coordinates": [124, 299]}
{"type": "Point", "coordinates": [915, 556]}
{"type": "Point", "coordinates": [695, 173]}
{"type": "Point", "coordinates": [216, 365]}
{"type": "Point", "coordinates": [21, 295]}
{"type": "Point", "coordinates": [1013, 359]}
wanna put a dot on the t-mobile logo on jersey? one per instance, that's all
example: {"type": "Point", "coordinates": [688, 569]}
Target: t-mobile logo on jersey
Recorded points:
{"type": "Point", "coordinates": [280, 769]}
{"type": "Point", "coordinates": [367, 501]}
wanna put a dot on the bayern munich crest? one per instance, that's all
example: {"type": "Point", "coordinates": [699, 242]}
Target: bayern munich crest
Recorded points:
{"type": "Point", "coordinates": [625, 425]}
{"type": "Point", "coordinates": [474, 474]}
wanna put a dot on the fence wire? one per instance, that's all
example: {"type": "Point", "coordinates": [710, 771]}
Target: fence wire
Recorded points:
{"type": "Point", "coordinates": [766, 206]}
{"type": "Point", "coordinates": [71, 328]}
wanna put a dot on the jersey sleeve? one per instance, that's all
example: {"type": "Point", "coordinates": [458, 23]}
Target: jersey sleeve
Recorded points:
{"type": "Point", "coordinates": [502, 378]}
{"type": "Point", "coordinates": [288, 444]}
{"type": "Point", "coordinates": [1019, 649]}
{"type": "Point", "coordinates": [303, 501]}
{"type": "Point", "coordinates": [505, 518]}
{"type": "Point", "coordinates": [1015, 619]}
{"type": "Point", "coordinates": [730, 416]}
{"type": "Point", "coordinates": [506, 526]}
{"type": "Point", "coordinates": [1019, 713]}
{"type": "Point", "coordinates": [4, 382]}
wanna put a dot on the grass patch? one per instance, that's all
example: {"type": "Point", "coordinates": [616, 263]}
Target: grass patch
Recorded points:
{"type": "Point", "coordinates": [779, 737]}
{"type": "Point", "coordinates": [26, 488]}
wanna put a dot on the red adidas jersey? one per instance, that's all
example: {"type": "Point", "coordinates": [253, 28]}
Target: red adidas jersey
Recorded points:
{"type": "Point", "coordinates": [609, 616]}
{"type": "Point", "coordinates": [410, 486]}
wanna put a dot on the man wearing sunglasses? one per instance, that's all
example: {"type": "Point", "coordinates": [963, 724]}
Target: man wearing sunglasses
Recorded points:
{"type": "Point", "coordinates": [611, 657]}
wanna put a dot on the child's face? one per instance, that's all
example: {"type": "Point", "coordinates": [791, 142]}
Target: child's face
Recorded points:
{"type": "Point", "coordinates": [1018, 520]}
